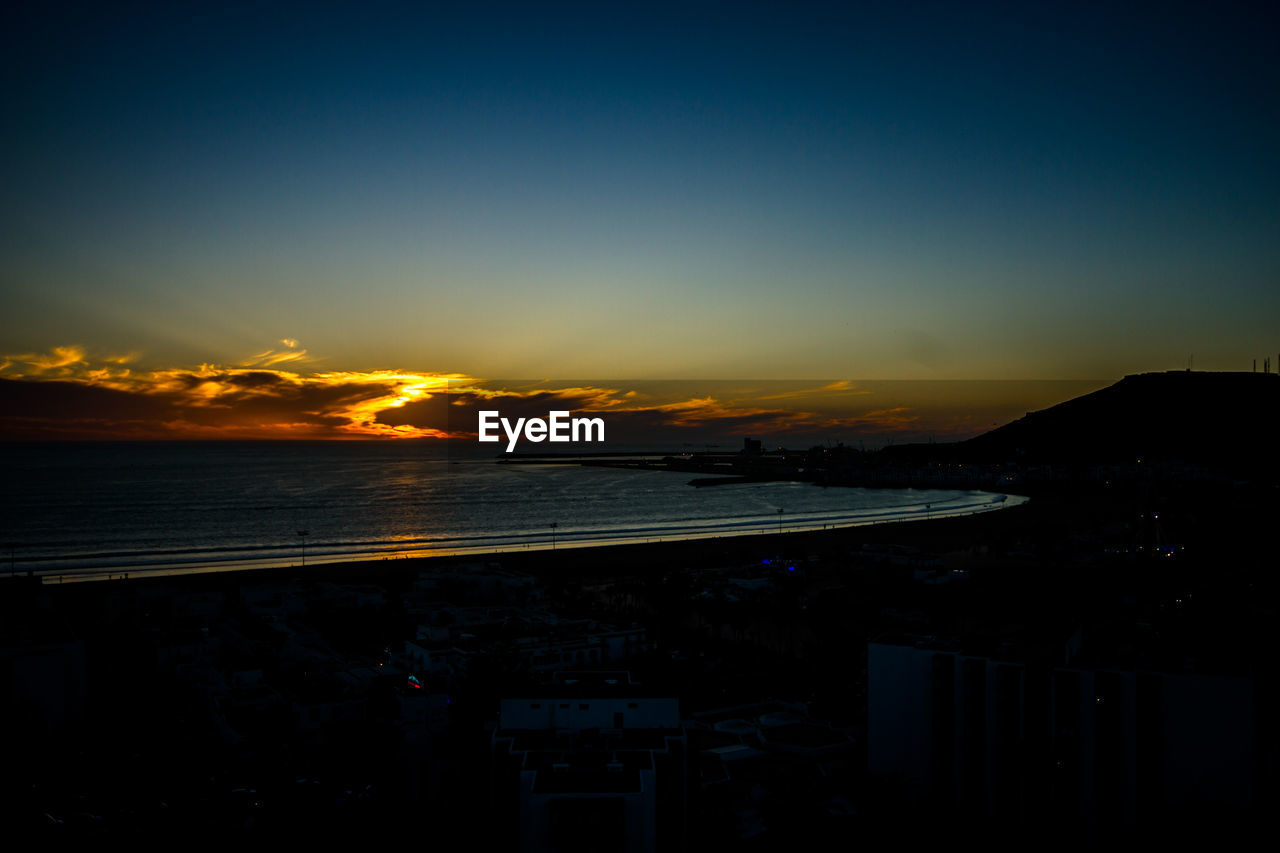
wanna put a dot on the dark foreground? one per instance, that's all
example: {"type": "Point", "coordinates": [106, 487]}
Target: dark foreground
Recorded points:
{"type": "Point", "coordinates": [1095, 665]}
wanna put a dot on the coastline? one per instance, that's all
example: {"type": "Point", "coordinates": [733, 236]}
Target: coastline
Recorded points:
{"type": "Point", "coordinates": [569, 540]}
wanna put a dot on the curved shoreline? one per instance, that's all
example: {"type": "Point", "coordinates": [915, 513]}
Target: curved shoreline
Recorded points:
{"type": "Point", "coordinates": [527, 543]}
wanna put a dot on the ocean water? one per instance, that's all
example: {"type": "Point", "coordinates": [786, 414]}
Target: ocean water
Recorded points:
{"type": "Point", "coordinates": [89, 507]}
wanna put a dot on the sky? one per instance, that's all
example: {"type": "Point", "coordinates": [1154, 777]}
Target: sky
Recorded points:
{"type": "Point", "coordinates": [843, 192]}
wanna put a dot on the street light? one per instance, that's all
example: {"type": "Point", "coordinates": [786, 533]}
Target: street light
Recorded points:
{"type": "Point", "coordinates": [779, 519]}
{"type": "Point", "coordinates": [553, 535]}
{"type": "Point", "coordinates": [302, 534]}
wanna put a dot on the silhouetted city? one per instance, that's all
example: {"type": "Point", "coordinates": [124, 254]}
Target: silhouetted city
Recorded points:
{"type": "Point", "coordinates": [1095, 660]}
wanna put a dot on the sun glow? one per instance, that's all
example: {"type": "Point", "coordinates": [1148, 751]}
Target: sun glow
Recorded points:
{"type": "Point", "coordinates": [404, 388]}
{"type": "Point", "coordinates": [69, 392]}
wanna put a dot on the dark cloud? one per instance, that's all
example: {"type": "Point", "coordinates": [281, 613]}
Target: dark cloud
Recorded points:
{"type": "Point", "coordinates": [257, 402]}
{"type": "Point", "coordinates": [34, 410]}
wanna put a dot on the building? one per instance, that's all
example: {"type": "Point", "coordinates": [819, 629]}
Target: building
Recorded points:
{"type": "Point", "coordinates": [1006, 735]}
{"type": "Point", "coordinates": [590, 762]}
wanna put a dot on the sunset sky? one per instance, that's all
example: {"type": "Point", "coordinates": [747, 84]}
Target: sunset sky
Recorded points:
{"type": "Point", "coordinates": [269, 219]}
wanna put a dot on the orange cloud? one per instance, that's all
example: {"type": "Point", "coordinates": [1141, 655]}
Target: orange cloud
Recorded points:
{"type": "Point", "coordinates": [269, 358]}
{"type": "Point", "coordinates": [254, 399]}
{"type": "Point", "coordinates": [271, 395]}
{"type": "Point", "coordinates": [832, 389]}
{"type": "Point", "coordinates": [57, 358]}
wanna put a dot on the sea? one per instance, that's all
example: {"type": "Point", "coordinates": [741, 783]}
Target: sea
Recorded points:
{"type": "Point", "coordinates": [81, 510]}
